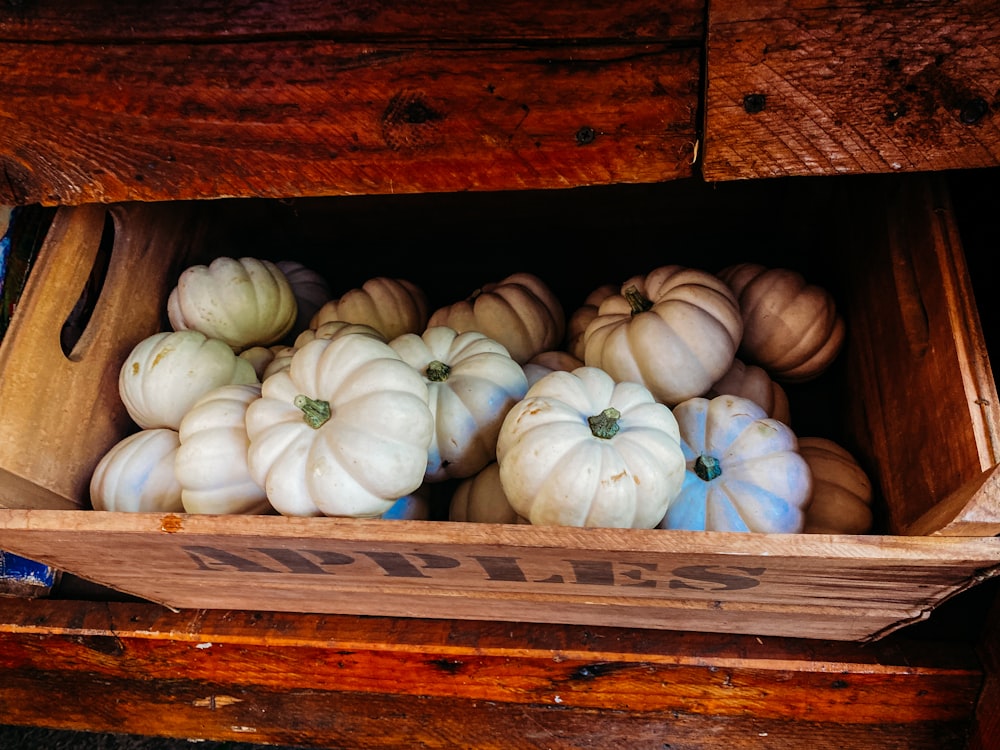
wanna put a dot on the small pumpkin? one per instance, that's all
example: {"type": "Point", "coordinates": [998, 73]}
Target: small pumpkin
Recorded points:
{"type": "Point", "coordinates": [583, 450]}
{"type": "Point", "coordinates": [520, 311]}
{"type": "Point", "coordinates": [310, 289]}
{"type": "Point", "coordinates": [137, 475]}
{"type": "Point", "coordinates": [342, 431]}
{"type": "Point", "coordinates": [167, 372]}
{"type": "Point", "coordinates": [211, 462]}
{"type": "Point", "coordinates": [842, 492]}
{"type": "Point", "coordinates": [413, 507]}
{"type": "Point", "coordinates": [389, 305]}
{"type": "Point", "coordinates": [242, 301]}
{"type": "Point", "coordinates": [472, 383]}
{"type": "Point", "coordinates": [675, 330]}
{"type": "Point", "coordinates": [333, 329]}
{"type": "Point", "coordinates": [260, 357]}
{"type": "Point", "coordinates": [743, 470]}
{"type": "Point", "coordinates": [791, 328]}
{"type": "Point", "coordinates": [576, 327]}
{"type": "Point", "coordinates": [752, 382]}
{"type": "Point", "coordinates": [545, 362]}
{"type": "Point", "coordinates": [481, 499]}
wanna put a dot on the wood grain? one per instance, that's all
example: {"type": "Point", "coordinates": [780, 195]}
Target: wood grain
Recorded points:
{"type": "Point", "coordinates": [334, 681]}
{"type": "Point", "coordinates": [94, 116]}
{"type": "Point", "coordinates": [797, 88]}
{"type": "Point", "coordinates": [843, 588]}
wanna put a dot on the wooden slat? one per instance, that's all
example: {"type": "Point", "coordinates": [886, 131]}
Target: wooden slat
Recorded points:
{"type": "Point", "coordinates": [278, 118]}
{"type": "Point", "coordinates": [924, 388]}
{"type": "Point", "coordinates": [371, 682]}
{"type": "Point", "coordinates": [797, 87]}
{"type": "Point", "coordinates": [439, 20]}
{"type": "Point", "coordinates": [842, 588]}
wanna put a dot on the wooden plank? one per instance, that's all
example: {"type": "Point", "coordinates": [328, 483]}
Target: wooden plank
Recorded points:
{"type": "Point", "coordinates": [332, 681]}
{"type": "Point", "coordinates": [515, 20]}
{"type": "Point", "coordinates": [796, 87]}
{"type": "Point", "coordinates": [278, 118]}
{"type": "Point", "coordinates": [52, 442]}
{"type": "Point", "coordinates": [842, 588]}
{"type": "Point", "coordinates": [986, 724]}
{"type": "Point", "coordinates": [925, 393]}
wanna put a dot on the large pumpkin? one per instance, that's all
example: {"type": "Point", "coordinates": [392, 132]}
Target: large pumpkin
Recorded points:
{"type": "Point", "coordinates": [744, 471]}
{"type": "Point", "coordinates": [342, 431]}
{"type": "Point", "coordinates": [842, 492]}
{"type": "Point", "coordinates": [583, 450]}
{"type": "Point", "coordinates": [675, 330]}
{"type": "Point", "coordinates": [791, 328]}
{"type": "Point", "coordinates": [472, 383]}
{"type": "Point", "coordinates": [519, 311]}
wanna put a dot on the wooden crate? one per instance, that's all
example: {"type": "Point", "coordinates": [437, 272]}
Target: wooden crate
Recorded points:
{"type": "Point", "coordinates": [913, 396]}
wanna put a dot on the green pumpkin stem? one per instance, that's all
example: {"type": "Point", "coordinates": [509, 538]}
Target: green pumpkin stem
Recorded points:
{"type": "Point", "coordinates": [636, 300]}
{"type": "Point", "coordinates": [707, 468]}
{"type": "Point", "coordinates": [314, 412]}
{"type": "Point", "coordinates": [605, 425]}
{"type": "Point", "coordinates": [437, 371]}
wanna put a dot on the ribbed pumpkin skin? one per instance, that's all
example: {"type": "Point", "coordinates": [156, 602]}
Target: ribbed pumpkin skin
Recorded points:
{"type": "Point", "coordinates": [519, 311]}
{"type": "Point", "coordinates": [211, 463]}
{"type": "Point", "coordinates": [481, 499]}
{"type": "Point", "coordinates": [555, 469]}
{"type": "Point", "coordinates": [473, 385]}
{"type": "Point", "coordinates": [680, 346]}
{"type": "Point", "coordinates": [543, 363]}
{"type": "Point", "coordinates": [842, 492]}
{"type": "Point", "coordinates": [242, 301]}
{"type": "Point", "coordinates": [763, 484]}
{"type": "Point", "coordinates": [752, 382]}
{"type": "Point", "coordinates": [576, 326]}
{"type": "Point", "coordinates": [310, 288]}
{"type": "Point", "coordinates": [391, 306]}
{"type": "Point", "coordinates": [137, 475]}
{"type": "Point", "coordinates": [791, 328]}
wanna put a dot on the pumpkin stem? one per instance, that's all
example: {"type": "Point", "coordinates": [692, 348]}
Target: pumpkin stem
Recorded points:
{"type": "Point", "coordinates": [438, 371]}
{"type": "Point", "coordinates": [605, 425]}
{"type": "Point", "coordinates": [314, 412]}
{"type": "Point", "coordinates": [636, 300]}
{"type": "Point", "coordinates": [707, 468]}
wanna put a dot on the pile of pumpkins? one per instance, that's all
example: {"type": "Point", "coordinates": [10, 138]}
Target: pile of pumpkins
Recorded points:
{"type": "Point", "coordinates": [656, 404]}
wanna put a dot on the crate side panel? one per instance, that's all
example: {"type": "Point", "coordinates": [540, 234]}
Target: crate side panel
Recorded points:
{"type": "Point", "coordinates": [836, 88]}
{"type": "Point", "coordinates": [311, 117]}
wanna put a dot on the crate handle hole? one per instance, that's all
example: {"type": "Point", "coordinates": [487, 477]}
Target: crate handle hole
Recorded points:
{"type": "Point", "coordinates": [78, 320]}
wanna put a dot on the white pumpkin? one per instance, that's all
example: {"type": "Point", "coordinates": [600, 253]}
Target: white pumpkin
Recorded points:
{"type": "Point", "coordinates": [744, 471]}
{"type": "Point", "coordinates": [137, 475]}
{"type": "Point", "coordinates": [242, 301]}
{"type": "Point", "coordinates": [472, 383]}
{"type": "Point", "coordinates": [583, 450]}
{"type": "Point", "coordinates": [261, 357]}
{"type": "Point", "coordinates": [342, 431]}
{"type": "Point", "coordinates": [211, 463]}
{"type": "Point", "coordinates": [310, 289]}
{"type": "Point", "coordinates": [753, 382]}
{"type": "Point", "coordinates": [167, 372]}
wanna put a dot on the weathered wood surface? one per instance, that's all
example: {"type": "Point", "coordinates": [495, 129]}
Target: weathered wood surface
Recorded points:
{"type": "Point", "coordinates": [370, 682]}
{"type": "Point", "coordinates": [61, 410]}
{"type": "Point", "coordinates": [796, 87]}
{"type": "Point", "coordinates": [924, 394]}
{"type": "Point", "coordinates": [342, 102]}
{"type": "Point", "coordinates": [841, 588]}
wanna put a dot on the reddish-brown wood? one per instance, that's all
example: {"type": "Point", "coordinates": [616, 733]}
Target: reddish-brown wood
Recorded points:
{"type": "Point", "coordinates": [985, 730]}
{"type": "Point", "coordinates": [798, 88]}
{"type": "Point", "coordinates": [371, 682]}
{"type": "Point", "coordinates": [224, 107]}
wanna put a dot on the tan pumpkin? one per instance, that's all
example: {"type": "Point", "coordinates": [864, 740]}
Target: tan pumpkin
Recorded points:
{"type": "Point", "coordinates": [391, 306]}
{"type": "Point", "coordinates": [752, 382]}
{"type": "Point", "coordinates": [481, 499]}
{"type": "Point", "coordinates": [842, 492]}
{"type": "Point", "coordinates": [675, 330]}
{"type": "Point", "coordinates": [310, 288]}
{"type": "Point", "coordinates": [577, 324]}
{"type": "Point", "coordinates": [791, 328]}
{"type": "Point", "coordinates": [543, 363]}
{"type": "Point", "coordinates": [520, 311]}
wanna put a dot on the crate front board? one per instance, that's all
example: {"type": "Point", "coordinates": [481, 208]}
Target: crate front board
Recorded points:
{"type": "Point", "coordinates": [835, 587]}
